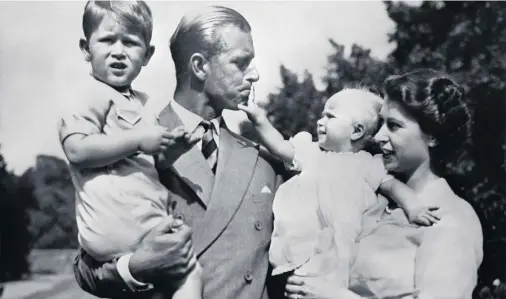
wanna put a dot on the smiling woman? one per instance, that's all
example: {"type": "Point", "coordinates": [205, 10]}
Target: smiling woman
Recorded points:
{"type": "Point", "coordinates": [425, 120]}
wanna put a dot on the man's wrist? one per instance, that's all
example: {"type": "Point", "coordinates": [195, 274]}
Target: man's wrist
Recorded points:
{"type": "Point", "coordinates": [124, 268]}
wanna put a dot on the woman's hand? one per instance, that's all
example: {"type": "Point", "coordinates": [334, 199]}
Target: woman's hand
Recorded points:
{"type": "Point", "coordinates": [320, 287]}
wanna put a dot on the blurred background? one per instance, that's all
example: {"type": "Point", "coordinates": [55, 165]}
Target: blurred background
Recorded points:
{"type": "Point", "coordinates": [305, 52]}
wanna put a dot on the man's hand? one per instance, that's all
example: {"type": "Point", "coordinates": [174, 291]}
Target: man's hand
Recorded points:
{"type": "Point", "coordinates": [166, 252]}
{"type": "Point", "coordinates": [253, 111]}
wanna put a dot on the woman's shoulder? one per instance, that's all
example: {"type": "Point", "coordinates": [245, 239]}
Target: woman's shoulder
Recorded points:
{"type": "Point", "coordinates": [456, 213]}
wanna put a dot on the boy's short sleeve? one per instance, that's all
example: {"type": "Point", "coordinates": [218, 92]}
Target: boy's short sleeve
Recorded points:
{"type": "Point", "coordinates": [305, 151]}
{"type": "Point", "coordinates": [87, 117]}
{"type": "Point", "coordinates": [377, 173]}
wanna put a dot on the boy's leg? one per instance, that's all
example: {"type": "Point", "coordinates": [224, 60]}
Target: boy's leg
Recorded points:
{"type": "Point", "coordinates": [191, 286]}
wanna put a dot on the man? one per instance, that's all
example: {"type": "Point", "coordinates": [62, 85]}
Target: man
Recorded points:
{"type": "Point", "coordinates": [222, 188]}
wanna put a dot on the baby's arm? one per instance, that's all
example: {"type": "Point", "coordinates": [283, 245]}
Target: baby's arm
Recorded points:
{"type": "Point", "coordinates": [406, 198]}
{"type": "Point", "coordinates": [269, 136]}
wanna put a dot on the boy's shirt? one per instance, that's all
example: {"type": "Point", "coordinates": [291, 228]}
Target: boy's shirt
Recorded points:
{"type": "Point", "coordinates": [112, 197]}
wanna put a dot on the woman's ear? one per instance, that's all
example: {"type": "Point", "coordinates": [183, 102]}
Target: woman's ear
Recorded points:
{"type": "Point", "coordinates": [85, 49]}
{"type": "Point", "coordinates": [433, 142]}
{"type": "Point", "coordinates": [199, 65]}
{"type": "Point", "coordinates": [358, 132]}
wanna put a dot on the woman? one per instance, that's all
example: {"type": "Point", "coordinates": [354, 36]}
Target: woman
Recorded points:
{"type": "Point", "coordinates": [425, 123]}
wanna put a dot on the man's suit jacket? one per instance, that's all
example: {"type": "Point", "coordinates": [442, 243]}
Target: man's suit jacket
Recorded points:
{"type": "Point", "coordinates": [230, 214]}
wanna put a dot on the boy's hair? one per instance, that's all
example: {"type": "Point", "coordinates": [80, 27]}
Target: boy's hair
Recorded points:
{"type": "Point", "coordinates": [134, 14]}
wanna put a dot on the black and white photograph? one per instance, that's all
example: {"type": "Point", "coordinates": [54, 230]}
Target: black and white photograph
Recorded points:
{"type": "Point", "coordinates": [252, 149]}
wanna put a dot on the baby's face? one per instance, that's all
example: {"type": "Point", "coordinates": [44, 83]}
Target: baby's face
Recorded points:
{"type": "Point", "coordinates": [117, 52]}
{"type": "Point", "coordinates": [336, 125]}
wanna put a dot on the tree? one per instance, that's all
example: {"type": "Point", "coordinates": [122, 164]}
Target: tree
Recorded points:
{"type": "Point", "coordinates": [53, 222]}
{"type": "Point", "coordinates": [16, 198]}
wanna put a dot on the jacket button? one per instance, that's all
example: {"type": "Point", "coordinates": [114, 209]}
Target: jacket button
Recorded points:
{"type": "Point", "coordinates": [248, 276]}
{"type": "Point", "coordinates": [179, 216]}
{"type": "Point", "coordinates": [258, 225]}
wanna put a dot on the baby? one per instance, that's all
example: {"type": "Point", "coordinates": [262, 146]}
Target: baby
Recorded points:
{"type": "Point", "coordinates": [318, 213]}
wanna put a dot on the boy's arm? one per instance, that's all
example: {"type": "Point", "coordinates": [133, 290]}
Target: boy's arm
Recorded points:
{"type": "Point", "coordinates": [97, 150]}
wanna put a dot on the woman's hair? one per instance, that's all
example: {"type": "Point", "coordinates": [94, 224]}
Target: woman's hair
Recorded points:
{"type": "Point", "coordinates": [196, 33]}
{"type": "Point", "coordinates": [437, 103]}
{"type": "Point", "coordinates": [134, 14]}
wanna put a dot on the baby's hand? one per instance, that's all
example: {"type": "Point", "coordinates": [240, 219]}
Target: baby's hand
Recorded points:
{"type": "Point", "coordinates": [252, 110]}
{"type": "Point", "coordinates": [423, 215]}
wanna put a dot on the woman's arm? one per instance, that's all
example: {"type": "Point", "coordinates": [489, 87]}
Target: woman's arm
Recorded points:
{"type": "Point", "coordinates": [448, 258]}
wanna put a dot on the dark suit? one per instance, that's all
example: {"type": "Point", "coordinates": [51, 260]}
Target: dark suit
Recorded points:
{"type": "Point", "coordinates": [230, 214]}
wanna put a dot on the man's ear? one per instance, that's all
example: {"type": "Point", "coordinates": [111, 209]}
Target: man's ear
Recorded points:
{"type": "Point", "coordinates": [85, 49]}
{"type": "Point", "coordinates": [149, 53]}
{"type": "Point", "coordinates": [358, 132]}
{"type": "Point", "coordinates": [199, 65]}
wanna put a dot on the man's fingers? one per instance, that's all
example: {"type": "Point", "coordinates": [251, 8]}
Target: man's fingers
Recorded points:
{"type": "Point", "coordinates": [165, 226]}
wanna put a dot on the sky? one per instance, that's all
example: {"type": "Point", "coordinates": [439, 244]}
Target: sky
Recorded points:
{"type": "Point", "coordinates": [41, 66]}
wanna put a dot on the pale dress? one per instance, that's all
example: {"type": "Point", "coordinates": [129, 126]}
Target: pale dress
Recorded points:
{"type": "Point", "coordinates": [304, 236]}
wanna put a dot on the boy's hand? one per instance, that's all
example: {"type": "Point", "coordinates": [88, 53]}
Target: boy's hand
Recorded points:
{"type": "Point", "coordinates": [253, 111]}
{"type": "Point", "coordinates": [180, 142]}
{"type": "Point", "coordinates": [153, 139]}
{"type": "Point", "coordinates": [421, 215]}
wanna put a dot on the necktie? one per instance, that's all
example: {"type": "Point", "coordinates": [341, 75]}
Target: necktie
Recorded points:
{"type": "Point", "coordinates": [209, 147]}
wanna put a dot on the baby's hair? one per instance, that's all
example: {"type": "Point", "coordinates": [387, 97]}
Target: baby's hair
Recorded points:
{"type": "Point", "coordinates": [370, 119]}
{"type": "Point", "coordinates": [133, 14]}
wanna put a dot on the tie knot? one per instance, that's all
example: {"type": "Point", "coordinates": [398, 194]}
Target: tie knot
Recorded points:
{"type": "Point", "coordinates": [206, 124]}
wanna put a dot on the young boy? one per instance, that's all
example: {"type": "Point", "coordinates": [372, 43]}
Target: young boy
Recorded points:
{"type": "Point", "coordinates": [109, 139]}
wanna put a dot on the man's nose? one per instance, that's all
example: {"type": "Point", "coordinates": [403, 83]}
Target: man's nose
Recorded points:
{"type": "Point", "coordinates": [252, 74]}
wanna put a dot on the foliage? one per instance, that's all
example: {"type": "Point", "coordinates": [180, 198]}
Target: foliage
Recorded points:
{"type": "Point", "coordinates": [53, 222]}
{"type": "Point", "coordinates": [15, 239]}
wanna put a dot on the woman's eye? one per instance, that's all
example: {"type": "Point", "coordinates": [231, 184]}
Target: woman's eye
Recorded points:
{"type": "Point", "coordinates": [392, 125]}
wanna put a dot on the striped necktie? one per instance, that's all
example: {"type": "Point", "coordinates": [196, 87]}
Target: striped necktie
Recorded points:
{"type": "Point", "coordinates": [209, 147]}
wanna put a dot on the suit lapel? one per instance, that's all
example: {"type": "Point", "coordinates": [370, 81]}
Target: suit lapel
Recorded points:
{"type": "Point", "coordinates": [236, 164]}
{"type": "Point", "coordinates": [191, 167]}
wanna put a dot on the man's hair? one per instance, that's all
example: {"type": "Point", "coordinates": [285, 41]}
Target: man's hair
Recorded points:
{"type": "Point", "coordinates": [196, 33]}
{"type": "Point", "coordinates": [132, 14]}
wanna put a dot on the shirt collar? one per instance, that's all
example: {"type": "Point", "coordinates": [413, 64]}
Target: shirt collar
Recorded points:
{"type": "Point", "coordinates": [191, 120]}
